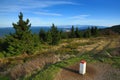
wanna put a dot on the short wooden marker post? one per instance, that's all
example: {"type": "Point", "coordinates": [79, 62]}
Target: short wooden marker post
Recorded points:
{"type": "Point", "coordinates": [82, 69]}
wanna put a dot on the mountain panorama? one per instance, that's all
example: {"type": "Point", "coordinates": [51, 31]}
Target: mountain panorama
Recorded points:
{"type": "Point", "coordinates": [36, 29]}
{"type": "Point", "coordinates": [73, 47]}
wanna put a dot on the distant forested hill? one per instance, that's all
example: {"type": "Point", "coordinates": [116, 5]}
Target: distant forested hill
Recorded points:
{"type": "Point", "coordinates": [116, 28]}
{"type": "Point", "coordinates": [110, 30]}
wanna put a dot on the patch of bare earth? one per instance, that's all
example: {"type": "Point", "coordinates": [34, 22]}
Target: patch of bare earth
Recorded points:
{"type": "Point", "coordinates": [95, 71]}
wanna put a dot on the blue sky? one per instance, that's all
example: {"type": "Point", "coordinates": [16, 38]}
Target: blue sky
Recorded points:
{"type": "Point", "coordinates": [61, 12]}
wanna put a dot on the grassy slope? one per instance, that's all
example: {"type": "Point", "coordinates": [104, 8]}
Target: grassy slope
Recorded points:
{"type": "Point", "coordinates": [80, 48]}
{"type": "Point", "coordinates": [50, 72]}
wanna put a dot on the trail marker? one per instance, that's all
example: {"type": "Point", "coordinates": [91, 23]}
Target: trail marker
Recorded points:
{"type": "Point", "coordinates": [82, 69]}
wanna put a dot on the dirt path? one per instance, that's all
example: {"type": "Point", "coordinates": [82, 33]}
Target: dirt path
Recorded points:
{"type": "Point", "coordinates": [95, 71]}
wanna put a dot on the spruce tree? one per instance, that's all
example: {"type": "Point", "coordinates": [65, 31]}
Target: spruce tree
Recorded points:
{"type": "Point", "coordinates": [42, 35]}
{"type": "Point", "coordinates": [87, 33]}
{"type": "Point", "coordinates": [72, 33]}
{"type": "Point", "coordinates": [55, 35]}
{"type": "Point", "coordinates": [94, 31]}
{"type": "Point", "coordinates": [77, 33]}
{"type": "Point", "coordinates": [22, 40]}
{"type": "Point", "coordinates": [49, 37]}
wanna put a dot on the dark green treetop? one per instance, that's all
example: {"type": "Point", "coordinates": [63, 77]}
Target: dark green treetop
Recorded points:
{"type": "Point", "coordinates": [77, 32]}
{"type": "Point", "coordinates": [55, 35]}
{"type": "Point", "coordinates": [72, 33]}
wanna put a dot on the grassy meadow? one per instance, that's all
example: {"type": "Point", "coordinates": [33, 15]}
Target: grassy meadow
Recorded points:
{"type": "Point", "coordinates": [46, 63]}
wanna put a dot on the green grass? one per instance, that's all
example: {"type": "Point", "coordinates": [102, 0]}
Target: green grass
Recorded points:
{"type": "Point", "coordinates": [116, 62]}
{"type": "Point", "coordinates": [1, 55]}
{"type": "Point", "coordinates": [103, 57]}
{"type": "Point", "coordinates": [51, 71]}
{"type": "Point", "coordinates": [4, 77]}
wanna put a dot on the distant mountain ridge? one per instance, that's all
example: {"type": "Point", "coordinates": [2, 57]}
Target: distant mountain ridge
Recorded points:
{"type": "Point", "coordinates": [116, 28]}
{"type": "Point", "coordinates": [111, 30]}
{"type": "Point", "coordinates": [36, 29]}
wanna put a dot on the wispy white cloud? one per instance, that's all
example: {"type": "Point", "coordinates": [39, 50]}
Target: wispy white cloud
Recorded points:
{"type": "Point", "coordinates": [45, 3]}
{"type": "Point", "coordinates": [83, 16]}
{"type": "Point", "coordinates": [86, 19]}
{"type": "Point", "coordinates": [48, 14]}
{"type": "Point", "coordinates": [23, 5]}
{"type": "Point", "coordinates": [100, 22]}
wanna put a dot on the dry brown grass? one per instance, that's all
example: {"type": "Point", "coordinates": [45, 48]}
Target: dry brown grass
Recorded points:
{"type": "Point", "coordinates": [29, 67]}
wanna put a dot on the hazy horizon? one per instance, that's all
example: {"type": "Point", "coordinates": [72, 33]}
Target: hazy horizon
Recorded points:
{"type": "Point", "coordinates": [61, 26]}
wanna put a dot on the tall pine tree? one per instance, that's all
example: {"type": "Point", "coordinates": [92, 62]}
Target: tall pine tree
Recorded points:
{"type": "Point", "coordinates": [94, 31]}
{"type": "Point", "coordinates": [49, 37]}
{"type": "Point", "coordinates": [55, 35]}
{"type": "Point", "coordinates": [22, 40]}
{"type": "Point", "coordinates": [87, 33]}
{"type": "Point", "coordinates": [42, 35]}
{"type": "Point", "coordinates": [72, 33]}
{"type": "Point", "coordinates": [77, 33]}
